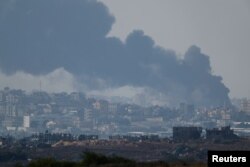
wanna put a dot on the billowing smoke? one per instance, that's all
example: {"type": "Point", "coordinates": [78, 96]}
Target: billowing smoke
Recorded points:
{"type": "Point", "coordinates": [40, 36]}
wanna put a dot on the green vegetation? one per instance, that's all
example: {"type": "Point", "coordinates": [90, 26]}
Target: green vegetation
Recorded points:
{"type": "Point", "coordinates": [11, 156]}
{"type": "Point", "coordinates": [90, 159]}
{"type": "Point", "coordinates": [50, 162]}
{"type": "Point", "coordinates": [93, 159]}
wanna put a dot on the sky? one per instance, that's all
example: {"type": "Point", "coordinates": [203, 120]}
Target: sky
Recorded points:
{"type": "Point", "coordinates": [221, 28]}
{"type": "Point", "coordinates": [160, 51]}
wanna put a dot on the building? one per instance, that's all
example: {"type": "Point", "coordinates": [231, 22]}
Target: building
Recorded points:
{"type": "Point", "coordinates": [245, 105]}
{"type": "Point", "coordinates": [186, 107]}
{"type": "Point", "coordinates": [88, 115]}
{"type": "Point", "coordinates": [112, 108]}
{"type": "Point", "coordinates": [186, 133]}
{"type": "Point", "coordinates": [26, 121]}
{"type": "Point", "coordinates": [224, 133]}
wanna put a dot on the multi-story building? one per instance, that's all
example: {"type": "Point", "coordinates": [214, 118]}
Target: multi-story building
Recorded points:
{"type": "Point", "coordinates": [223, 133]}
{"type": "Point", "coordinates": [245, 105]}
{"type": "Point", "coordinates": [26, 121]}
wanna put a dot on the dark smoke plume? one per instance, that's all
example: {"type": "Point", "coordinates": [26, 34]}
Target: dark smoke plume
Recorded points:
{"type": "Point", "coordinates": [38, 36]}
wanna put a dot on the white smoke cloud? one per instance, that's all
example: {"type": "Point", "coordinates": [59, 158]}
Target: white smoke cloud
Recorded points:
{"type": "Point", "coordinates": [61, 80]}
{"type": "Point", "coordinates": [125, 91]}
{"type": "Point", "coordinates": [58, 80]}
{"type": "Point", "coordinates": [143, 96]}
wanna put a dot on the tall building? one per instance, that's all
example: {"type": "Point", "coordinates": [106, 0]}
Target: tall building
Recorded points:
{"type": "Point", "coordinates": [112, 108]}
{"type": "Point", "coordinates": [245, 105]}
{"type": "Point", "coordinates": [87, 115]}
{"type": "Point", "coordinates": [186, 107]}
{"type": "Point", "coordinates": [26, 121]}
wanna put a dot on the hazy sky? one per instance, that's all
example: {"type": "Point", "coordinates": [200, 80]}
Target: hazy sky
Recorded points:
{"type": "Point", "coordinates": [221, 28]}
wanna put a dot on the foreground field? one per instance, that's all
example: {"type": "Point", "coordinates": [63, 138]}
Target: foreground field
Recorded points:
{"type": "Point", "coordinates": [163, 153]}
{"type": "Point", "coordinates": [90, 159]}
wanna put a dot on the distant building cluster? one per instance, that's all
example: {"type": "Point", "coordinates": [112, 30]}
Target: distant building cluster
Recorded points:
{"type": "Point", "coordinates": [182, 134]}
{"type": "Point", "coordinates": [220, 134]}
{"type": "Point", "coordinates": [23, 114]}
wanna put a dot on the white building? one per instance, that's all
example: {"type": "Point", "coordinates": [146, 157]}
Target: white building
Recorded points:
{"type": "Point", "coordinates": [26, 121]}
